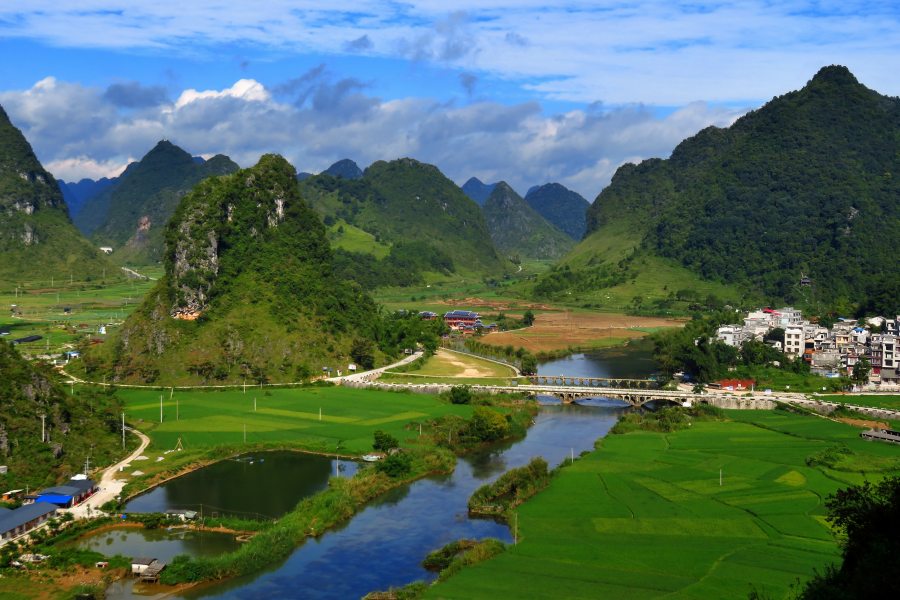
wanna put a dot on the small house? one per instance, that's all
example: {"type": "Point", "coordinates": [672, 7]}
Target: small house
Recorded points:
{"type": "Point", "coordinates": [139, 565]}
{"type": "Point", "coordinates": [184, 515]}
{"type": "Point", "coordinates": [106, 249]}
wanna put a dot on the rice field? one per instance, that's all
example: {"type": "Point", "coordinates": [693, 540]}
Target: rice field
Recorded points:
{"type": "Point", "coordinates": [647, 515]}
{"type": "Point", "coordinates": [348, 417]}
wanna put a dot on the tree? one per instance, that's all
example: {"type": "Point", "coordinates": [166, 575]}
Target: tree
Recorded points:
{"type": "Point", "coordinates": [384, 441]}
{"type": "Point", "coordinates": [861, 370]}
{"type": "Point", "coordinates": [869, 517]}
{"type": "Point", "coordinates": [460, 394]}
{"type": "Point", "coordinates": [776, 334]}
{"type": "Point", "coordinates": [528, 364]}
{"type": "Point", "coordinates": [489, 425]}
{"type": "Point", "coordinates": [396, 465]}
{"type": "Point", "coordinates": [528, 318]}
{"type": "Point", "coordinates": [362, 351]}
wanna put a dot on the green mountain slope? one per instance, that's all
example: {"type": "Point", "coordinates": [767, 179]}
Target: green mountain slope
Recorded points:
{"type": "Point", "coordinates": [37, 238]}
{"type": "Point", "coordinates": [806, 184]}
{"type": "Point", "coordinates": [86, 425]}
{"type": "Point", "coordinates": [562, 207]}
{"type": "Point", "coordinates": [345, 168]}
{"type": "Point", "coordinates": [248, 291]}
{"type": "Point", "coordinates": [517, 229]}
{"type": "Point", "coordinates": [142, 203]}
{"type": "Point", "coordinates": [406, 200]}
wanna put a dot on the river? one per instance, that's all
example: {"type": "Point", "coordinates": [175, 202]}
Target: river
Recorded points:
{"type": "Point", "coordinates": [383, 544]}
{"type": "Point", "coordinates": [634, 361]}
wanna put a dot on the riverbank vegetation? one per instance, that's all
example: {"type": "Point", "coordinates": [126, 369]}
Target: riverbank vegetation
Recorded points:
{"type": "Point", "coordinates": [668, 419]}
{"type": "Point", "coordinates": [718, 505]}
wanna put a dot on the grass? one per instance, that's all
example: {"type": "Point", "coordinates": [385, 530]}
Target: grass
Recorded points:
{"type": "Point", "coordinates": [354, 239]}
{"type": "Point", "coordinates": [349, 417]}
{"type": "Point", "coordinates": [645, 516]}
{"type": "Point", "coordinates": [42, 311]}
{"type": "Point", "coordinates": [451, 364]}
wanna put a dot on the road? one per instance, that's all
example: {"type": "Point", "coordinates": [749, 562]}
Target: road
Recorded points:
{"type": "Point", "coordinates": [374, 373]}
{"type": "Point", "coordinates": [110, 487]}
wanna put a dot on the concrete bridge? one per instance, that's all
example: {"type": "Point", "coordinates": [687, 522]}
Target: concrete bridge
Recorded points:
{"type": "Point", "coordinates": [592, 382]}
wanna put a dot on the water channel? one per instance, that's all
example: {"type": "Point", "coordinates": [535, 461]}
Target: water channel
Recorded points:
{"type": "Point", "coordinates": [383, 544]}
{"type": "Point", "coordinates": [634, 361]}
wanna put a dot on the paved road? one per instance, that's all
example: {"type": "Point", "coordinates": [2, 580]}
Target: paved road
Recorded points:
{"type": "Point", "coordinates": [110, 487]}
{"type": "Point", "coordinates": [374, 373]}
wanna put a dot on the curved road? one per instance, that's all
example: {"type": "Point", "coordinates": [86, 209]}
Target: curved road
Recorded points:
{"type": "Point", "coordinates": [110, 487]}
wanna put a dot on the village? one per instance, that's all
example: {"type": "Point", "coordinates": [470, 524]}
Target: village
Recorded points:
{"type": "Point", "coordinates": [848, 343]}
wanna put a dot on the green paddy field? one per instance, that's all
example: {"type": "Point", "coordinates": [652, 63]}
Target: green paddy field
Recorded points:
{"type": "Point", "coordinates": [645, 515]}
{"type": "Point", "coordinates": [349, 417]}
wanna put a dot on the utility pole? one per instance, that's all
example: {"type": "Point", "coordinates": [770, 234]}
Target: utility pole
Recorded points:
{"type": "Point", "coordinates": [254, 408]}
{"type": "Point", "coordinates": [245, 434]}
{"type": "Point", "coordinates": [516, 533]}
{"type": "Point", "coordinates": [160, 410]}
{"type": "Point", "coordinates": [123, 431]}
{"type": "Point", "coordinates": [43, 429]}
{"type": "Point", "coordinates": [337, 464]}
{"type": "Point", "coordinates": [573, 456]}
{"type": "Point", "coordinates": [87, 464]}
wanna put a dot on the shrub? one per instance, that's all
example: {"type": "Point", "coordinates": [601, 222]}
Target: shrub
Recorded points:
{"type": "Point", "coordinates": [460, 394]}
{"type": "Point", "coordinates": [396, 465]}
{"type": "Point", "coordinates": [384, 441]}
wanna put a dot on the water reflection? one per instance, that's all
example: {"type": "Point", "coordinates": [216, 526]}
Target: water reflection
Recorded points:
{"type": "Point", "coordinates": [384, 543]}
{"type": "Point", "coordinates": [634, 361]}
{"type": "Point", "coordinates": [266, 485]}
{"type": "Point", "coordinates": [161, 544]}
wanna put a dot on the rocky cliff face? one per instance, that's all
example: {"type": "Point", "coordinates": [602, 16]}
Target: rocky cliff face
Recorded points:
{"type": "Point", "coordinates": [37, 238]}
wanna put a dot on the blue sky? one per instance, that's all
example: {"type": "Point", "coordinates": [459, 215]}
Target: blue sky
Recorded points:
{"type": "Point", "coordinates": [519, 91]}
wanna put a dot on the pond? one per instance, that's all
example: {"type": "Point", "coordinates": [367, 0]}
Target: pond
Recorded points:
{"type": "Point", "coordinates": [260, 486]}
{"type": "Point", "coordinates": [162, 544]}
{"type": "Point", "coordinates": [384, 543]}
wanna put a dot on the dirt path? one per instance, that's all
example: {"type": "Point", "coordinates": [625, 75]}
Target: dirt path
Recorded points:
{"type": "Point", "coordinates": [110, 487]}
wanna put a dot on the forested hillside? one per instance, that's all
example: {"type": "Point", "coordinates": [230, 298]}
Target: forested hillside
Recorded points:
{"type": "Point", "coordinates": [406, 200]}
{"type": "Point", "coordinates": [145, 198]}
{"type": "Point", "coordinates": [807, 184]}
{"type": "Point", "coordinates": [518, 230]}
{"type": "Point", "coordinates": [562, 207]}
{"type": "Point", "coordinates": [37, 238]}
{"type": "Point", "coordinates": [74, 428]}
{"type": "Point", "coordinates": [248, 291]}
{"type": "Point", "coordinates": [76, 194]}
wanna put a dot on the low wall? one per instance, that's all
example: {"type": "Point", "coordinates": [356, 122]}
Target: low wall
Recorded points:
{"type": "Point", "coordinates": [739, 403]}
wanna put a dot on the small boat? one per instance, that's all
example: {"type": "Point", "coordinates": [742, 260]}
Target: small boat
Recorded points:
{"type": "Point", "coordinates": [373, 457]}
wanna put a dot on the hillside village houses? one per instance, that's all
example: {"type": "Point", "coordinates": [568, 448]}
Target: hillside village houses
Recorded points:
{"type": "Point", "coordinates": [827, 350]}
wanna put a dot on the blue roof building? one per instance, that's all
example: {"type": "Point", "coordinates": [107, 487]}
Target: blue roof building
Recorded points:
{"type": "Point", "coordinates": [14, 523]}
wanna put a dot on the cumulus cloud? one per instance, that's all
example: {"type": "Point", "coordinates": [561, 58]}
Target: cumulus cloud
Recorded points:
{"type": "Point", "coordinates": [76, 133]}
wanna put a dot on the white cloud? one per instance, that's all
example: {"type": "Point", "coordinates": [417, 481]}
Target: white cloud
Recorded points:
{"type": "Point", "coordinates": [78, 134]}
{"type": "Point", "coordinates": [80, 167]}
{"type": "Point", "coordinates": [656, 51]}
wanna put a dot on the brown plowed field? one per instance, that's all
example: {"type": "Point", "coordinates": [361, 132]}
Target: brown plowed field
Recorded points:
{"type": "Point", "coordinates": [555, 331]}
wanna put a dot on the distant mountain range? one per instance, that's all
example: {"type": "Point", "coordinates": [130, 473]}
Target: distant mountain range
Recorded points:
{"type": "Point", "coordinates": [76, 195]}
{"type": "Point", "coordinates": [561, 206]}
{"type": "Point", "coordinates": [345, 168]}
{"type": "Point", "coordinates": [407, 200]}
{"type": "Point", "coordinates": [129, 215]}
{"type": "Point", "coordinates": [37, 238]}
{"type": "Point", "coordinates": [518, 230]}
{"type": "Point", "coordinates": [478, 191]}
